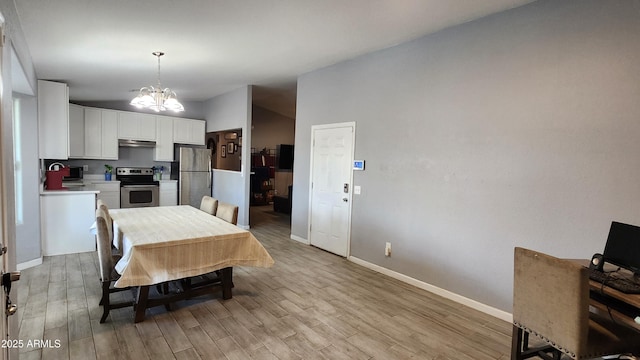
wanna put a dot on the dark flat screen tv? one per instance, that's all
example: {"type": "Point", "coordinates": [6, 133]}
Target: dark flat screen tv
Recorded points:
{"type": "Point", "coordinates": [623, 246]}
{"type": "Point", "coordinates": [285, 157]}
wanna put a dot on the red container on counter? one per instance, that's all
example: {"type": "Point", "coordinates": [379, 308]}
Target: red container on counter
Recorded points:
{"type": "Point", "coordinates": [54, 178]}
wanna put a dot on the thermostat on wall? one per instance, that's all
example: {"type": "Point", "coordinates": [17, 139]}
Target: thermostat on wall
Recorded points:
{"type": "Point", "coordinates": [358, 164]}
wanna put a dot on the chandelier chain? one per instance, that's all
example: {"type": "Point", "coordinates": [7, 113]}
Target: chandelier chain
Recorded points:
{"type": "Point", "coordinates": [158, 54]}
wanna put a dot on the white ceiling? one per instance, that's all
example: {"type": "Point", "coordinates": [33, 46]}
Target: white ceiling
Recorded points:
{"type": "Point", "coordinates": [102, 48]}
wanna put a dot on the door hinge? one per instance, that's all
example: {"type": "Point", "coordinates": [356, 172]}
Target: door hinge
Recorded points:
{"type": "Point", "coordinates": [3, 250]}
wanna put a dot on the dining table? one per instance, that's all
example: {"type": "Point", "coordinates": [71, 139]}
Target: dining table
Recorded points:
{"type": "Point", "coordinates": [165, 244]}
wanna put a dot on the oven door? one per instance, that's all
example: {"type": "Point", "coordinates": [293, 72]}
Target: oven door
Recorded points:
{"type": "Point", "coordinates": [132, 196]}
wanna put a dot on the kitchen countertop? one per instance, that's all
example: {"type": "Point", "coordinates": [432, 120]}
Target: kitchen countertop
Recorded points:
{"type": "Point", "coordinates": [77, 190]}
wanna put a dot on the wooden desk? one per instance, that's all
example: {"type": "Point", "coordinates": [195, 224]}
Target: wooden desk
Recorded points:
{"type": "Point", "coordinates": [606, 300]}
{"type": "Point", "coordinates": [162, 244]}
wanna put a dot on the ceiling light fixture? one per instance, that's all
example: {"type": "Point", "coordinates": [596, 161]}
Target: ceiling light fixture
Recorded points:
{"type": "Point", "coordinates": [157, 98]}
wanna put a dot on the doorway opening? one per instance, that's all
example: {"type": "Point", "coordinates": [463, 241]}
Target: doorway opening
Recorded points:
{"type": "Point", "coordinates": [226, 149]}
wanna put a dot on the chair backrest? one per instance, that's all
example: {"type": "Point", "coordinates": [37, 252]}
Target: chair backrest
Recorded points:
{"type": "Point", "coordinates": [209, 205]}
{"type": "Point", "coordinates": [103, 242]}
{"type": "Point", "coordinates": [101, 205]}
{"type": "Point", "coordinates": [551, 299]}
{"type": "Point", "coordinates": [228, 213]}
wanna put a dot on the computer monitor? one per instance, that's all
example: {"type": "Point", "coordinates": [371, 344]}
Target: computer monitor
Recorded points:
{"type": "Point", "coordinates": [623, 246]}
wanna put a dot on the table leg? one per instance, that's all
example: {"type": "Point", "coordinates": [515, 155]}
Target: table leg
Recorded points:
{"type": "Point", "coordinates": [227, 282]}
{"type": "Point", "coordinates": [141, 303]}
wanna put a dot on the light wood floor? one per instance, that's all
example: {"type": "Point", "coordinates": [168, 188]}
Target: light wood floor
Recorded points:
{"type": "Point", "coordinates": [309, 305]}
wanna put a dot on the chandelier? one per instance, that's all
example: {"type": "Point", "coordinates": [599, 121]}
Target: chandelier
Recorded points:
{"type": "Point", "coordinates": [157, 98]}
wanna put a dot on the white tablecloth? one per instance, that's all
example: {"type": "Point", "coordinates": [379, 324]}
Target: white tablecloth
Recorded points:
{"type": "Point", "coordinates": [174, 242]}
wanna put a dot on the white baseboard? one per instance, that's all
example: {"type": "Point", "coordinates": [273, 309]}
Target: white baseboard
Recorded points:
{"type": "Point", "coordinates": [503, 315]}
{"type": "Point", "coordinates": [299, 239]}
{"type": "Point", "coordinates": [29, 264]}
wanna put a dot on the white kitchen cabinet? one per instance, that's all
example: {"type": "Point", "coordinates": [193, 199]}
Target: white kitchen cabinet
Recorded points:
{"type": "Point", "coordinates": [188, 131]}
{"type": "Point", "coordinates": [136, 126]}
{"type": "Point", "coordinates": [110, 134]}
{"type": "Point", "coordinates": [164, 139]}
{"type": "Point", "coordinates": [168, 192]}
{"type": "Point", "coordinates": [109, 192]}
{"type": "Point", "coordinates": [66, 217]}
{"type": "Point", "coordinates": [92, 133]}
{"type": "Point", "coordinates": [53, 120]}
{"type": "Point", "coordinates": [198, 129]}
{"type": "Point", "coordinates": [76, 131]}
{"type": "Point", "coordinates": [100, 134]}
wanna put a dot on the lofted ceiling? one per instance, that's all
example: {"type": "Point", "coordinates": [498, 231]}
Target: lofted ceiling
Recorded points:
{"type": "Point", "coordinates": [102, 49]}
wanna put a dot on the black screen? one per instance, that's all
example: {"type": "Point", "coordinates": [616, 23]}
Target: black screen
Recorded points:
{"type": "Point", "coordinates": [285, 157]}
{"type": "Point", "coordinates": [623, 246]}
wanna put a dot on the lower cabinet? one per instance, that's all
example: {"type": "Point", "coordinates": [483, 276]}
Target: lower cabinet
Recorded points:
{"type": "Point", "coordinates": [168, 192]}
{"type": "Point", "coordinates": [109, 193]}
{"type": "Point", "coordinates": [66, 219]}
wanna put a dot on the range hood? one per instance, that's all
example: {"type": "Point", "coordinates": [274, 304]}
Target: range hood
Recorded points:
{"type": "Point", "coordinates": [136, 143]}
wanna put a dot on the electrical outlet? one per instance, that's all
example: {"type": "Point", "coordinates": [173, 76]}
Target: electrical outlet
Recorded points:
{"type": "Point", "coordinates": [85, 167]}
{"type": "Point", "coordinates": [387, 249]}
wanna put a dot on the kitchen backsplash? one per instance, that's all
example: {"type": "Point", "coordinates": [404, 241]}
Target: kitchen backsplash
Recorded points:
{"type": "Point", "coordinates": [127, 157]}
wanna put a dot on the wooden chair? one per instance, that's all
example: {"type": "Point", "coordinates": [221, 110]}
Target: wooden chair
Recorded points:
{"type": "Point", "coordinates": [228, 213]}
{"type": "Point", "coordinates": [107, 262]}
{"type": "Point", "coordinates": [101, 205]}
{"type": "Point", "coordinates": [209, 205]}
{"type": "Point", "coordinates": [551, 301]}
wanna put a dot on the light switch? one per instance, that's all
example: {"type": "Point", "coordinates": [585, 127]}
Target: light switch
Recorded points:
{"type": "Point", "coordinates": [356, 189]}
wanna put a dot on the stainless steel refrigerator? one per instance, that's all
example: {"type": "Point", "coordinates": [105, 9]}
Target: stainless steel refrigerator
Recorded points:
{"type": "Point", "coordinates": [193, 172]}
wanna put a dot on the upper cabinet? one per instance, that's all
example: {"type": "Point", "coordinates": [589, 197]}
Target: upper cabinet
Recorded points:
{"type": "Point", "coordinates": [188, 131]}
{"type": "Point", "coordinates": [100, 134]}
{"type": "Point", "coordinates": [53, 120]}
{"type": "Point", "coordinates": [93, 133]}
{"type": "Point", "coordinates": [76, 131]}
{"type": "Point", "coordinates": [136, 126]}
{"type": "Point", "coordinates": [164, 139]}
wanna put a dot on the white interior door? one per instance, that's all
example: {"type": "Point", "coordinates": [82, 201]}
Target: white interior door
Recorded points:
{"type": "Point", "coordinates": [331, 174]}
{"type": "Point", "coordinates": [8, 329]}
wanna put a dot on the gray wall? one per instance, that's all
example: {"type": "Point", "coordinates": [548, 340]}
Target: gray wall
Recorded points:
{"type": "Point", "coordinates": [519, 129]}
{"type": "Point", "coordinates": [226, 112]}
{"type": "Point", "coordinates": [271, 129]}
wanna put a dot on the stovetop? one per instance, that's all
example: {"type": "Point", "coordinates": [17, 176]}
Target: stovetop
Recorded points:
{"type": "Point", "coordinates": [135, 176]}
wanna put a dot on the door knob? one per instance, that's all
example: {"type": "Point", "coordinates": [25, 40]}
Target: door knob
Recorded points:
{"type": "Point", "coordinates": [7, 279]}
{"type": "Point", "coordinates": [11, 309]}
{"type": "Point", "coordinates": [345, 199]}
